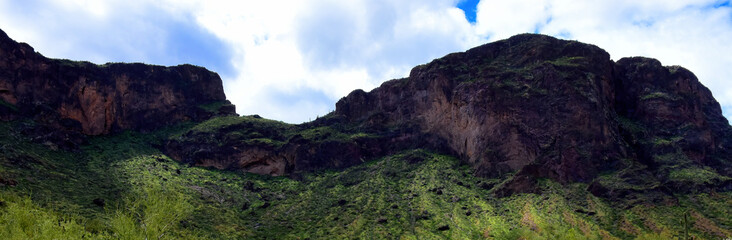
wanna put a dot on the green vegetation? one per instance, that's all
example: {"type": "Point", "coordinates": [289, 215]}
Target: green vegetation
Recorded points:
{"type": "Point", "coordinates": [214, 106]}
{"type": "Point", "coordinates": [217, 123]}
{"type": "Point", "coordinates": [249, 129]}
{"type": "Point", "coordinates": [633, 177]}
{"type": "Point", "coordinates": [666, 142]}
{"type": "Point", "coordinates": [153, 212]}
{"type": "Point", "coordinates": [673, 165]}
{"type": "Point", "coordinates": [331, 134]}
{"type": "Point", "coordinates": [673, 69]}
{"type": "Point", "coordinates": [20, 218]}
{"type": "Point", "coordinates": [631, 126]}
{"type": "Point", "coordinates": [75, 64]}
{"type": "Point", "coordinates": [119, 187]}
{"type": "Point", "coordinates": [256, 131]}
{"type": "Point", "coordinates": [696, 174]}
{"type": "Point", "coordinates": [8, 105]}
{"type": "Point", "coordinates": [567, 61]}
{"type": "Point", "coordinates": [659, 95]}
{"type": "Point", "coordinates": [321, 133]}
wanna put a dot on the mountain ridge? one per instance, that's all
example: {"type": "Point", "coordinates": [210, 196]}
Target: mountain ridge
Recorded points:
{"type": "Point", "coordinates": [579, 96]}
{"type": "Point", "coordinates": [532, 104]}
{"type": "Point", "coordinates": [527, 137]}
{"type": "Point", "coordinates": [544, 107]}
{"type": "Point", "coordinates": [100, 99]}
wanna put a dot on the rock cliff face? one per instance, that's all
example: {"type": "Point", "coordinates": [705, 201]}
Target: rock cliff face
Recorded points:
{"type": "Point", "coordinates": [502, 106]}
{"type": "Point", "coordinates": [99, 99]}
{"type": "Point", "coordinates": [528, 107]}
{"type": "Point", "coordinates": [262, 146]}
{"type": "Point", "coordinates": [556, 109]}
{"type": "Point", "coordinates": [680, 115]}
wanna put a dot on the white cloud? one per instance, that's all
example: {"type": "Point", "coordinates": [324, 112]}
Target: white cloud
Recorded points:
{"type": "Point", "coordinates": [112, 31]}
{"type": "Point", "coordinates": [502, 19]}
{"type": "Point", "coordinates": [326, 47]}
{"type": "Point", "coordinates": [292, 60]}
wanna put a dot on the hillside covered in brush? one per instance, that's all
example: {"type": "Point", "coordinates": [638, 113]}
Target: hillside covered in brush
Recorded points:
{"type": "Point", "coordinates": [530, 137]}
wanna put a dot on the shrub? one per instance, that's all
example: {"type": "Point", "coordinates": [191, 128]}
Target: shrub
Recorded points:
{"type": "Point", "coordinates": [152, 213]}
{"type": "Point", "coordinates": [20, 218]}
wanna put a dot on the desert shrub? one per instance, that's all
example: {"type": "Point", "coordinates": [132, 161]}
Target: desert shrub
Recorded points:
{"type": "Point", "coordinates": [152, 213]}
{"type": "Point", "coordinates": [20, 218]}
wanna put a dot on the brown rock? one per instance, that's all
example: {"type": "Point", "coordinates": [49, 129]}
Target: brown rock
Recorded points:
{"type": "Point", "coordinates": [549, 108]}
{"type": "Point", "coordinates": [102, 98]}
{"type": "Point", "coordinates": [530, 99]}
{"type": "Point", "coordinates": [531, 104]}
{"type": "Point", "coordinates": [676, 108]}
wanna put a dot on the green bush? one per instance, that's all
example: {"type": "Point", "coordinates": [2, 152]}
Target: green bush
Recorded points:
{"type": "Point", "coordinates": [20, 219]}
{"type": "Point", "coordinates": [151, 213]}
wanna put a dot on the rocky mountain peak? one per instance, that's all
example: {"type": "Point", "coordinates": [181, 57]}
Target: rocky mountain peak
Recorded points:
{"type": "Point", "coordinates": [98, 99]}
{"type": "Point", "coordinates": [551, 108]}
{"type": "Point", "coordinates": [525, 108]}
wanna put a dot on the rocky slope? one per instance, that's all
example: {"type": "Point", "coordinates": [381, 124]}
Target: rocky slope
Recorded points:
{"type": "Point", "coordinates": [531, 105]}
{"type": "Point", "coordinates": [119, 186]}
{"type": "Point", "coordinates": [99, 99]}
{"type": "Point", "coordinates": [528, 100]}
{"type": "Point", "coordinates": [528, 107]}
{"type": "Point", "coordinates": [555, 109]}
{"type": "Point", "coordinates": [586, 147]}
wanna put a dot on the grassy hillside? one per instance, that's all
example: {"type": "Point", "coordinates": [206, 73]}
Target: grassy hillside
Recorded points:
{"type": "Point", "coordinates": [122, 187]}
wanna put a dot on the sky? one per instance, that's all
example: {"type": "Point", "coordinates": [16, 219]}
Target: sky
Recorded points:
{"type": "Point", "coordinates": [293, 60]}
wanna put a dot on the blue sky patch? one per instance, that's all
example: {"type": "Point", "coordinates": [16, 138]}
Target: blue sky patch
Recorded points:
{"type": "Point", "coordinates": [727, 112]}
{"type": "Point", "coordinates": [186, 42]}
{"type": "Point", "coordinates": [148, 35]}
{"type": "Point", "coordinates": [469, 7]}
{"type": "Point", "coordinates": [289, 105]}
{"type": "Point", "coordinates": [564, 34]}
{"type": "Point", "coordinates": [720, 4]}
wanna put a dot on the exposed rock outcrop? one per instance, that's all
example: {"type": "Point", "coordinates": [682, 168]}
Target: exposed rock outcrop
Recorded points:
{"type": "Point", "coordinates": [557, 109]}
{"type": "Point", "coordinates": [99, 99]}
{"type": "Point", "coordinates": [527, 100]}
{"type": "Point", "coordinates": [532, 105]}
{"type": "Point", "coordinates": [528, 107]}
{"type": "Point", "coordinates": [262, 146]}
{"type": "Point", "coordinates": [677, 112]}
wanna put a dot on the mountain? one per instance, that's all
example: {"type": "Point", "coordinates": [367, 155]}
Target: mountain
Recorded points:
{"type": "Point", "coordinates": [556, 109]}
{"type": "Point", "coordinates": [544, 107]}
{"type": "Point", "coordinates": [101, 99]}
{"type": "Point", "coordinates": [528, 137]}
